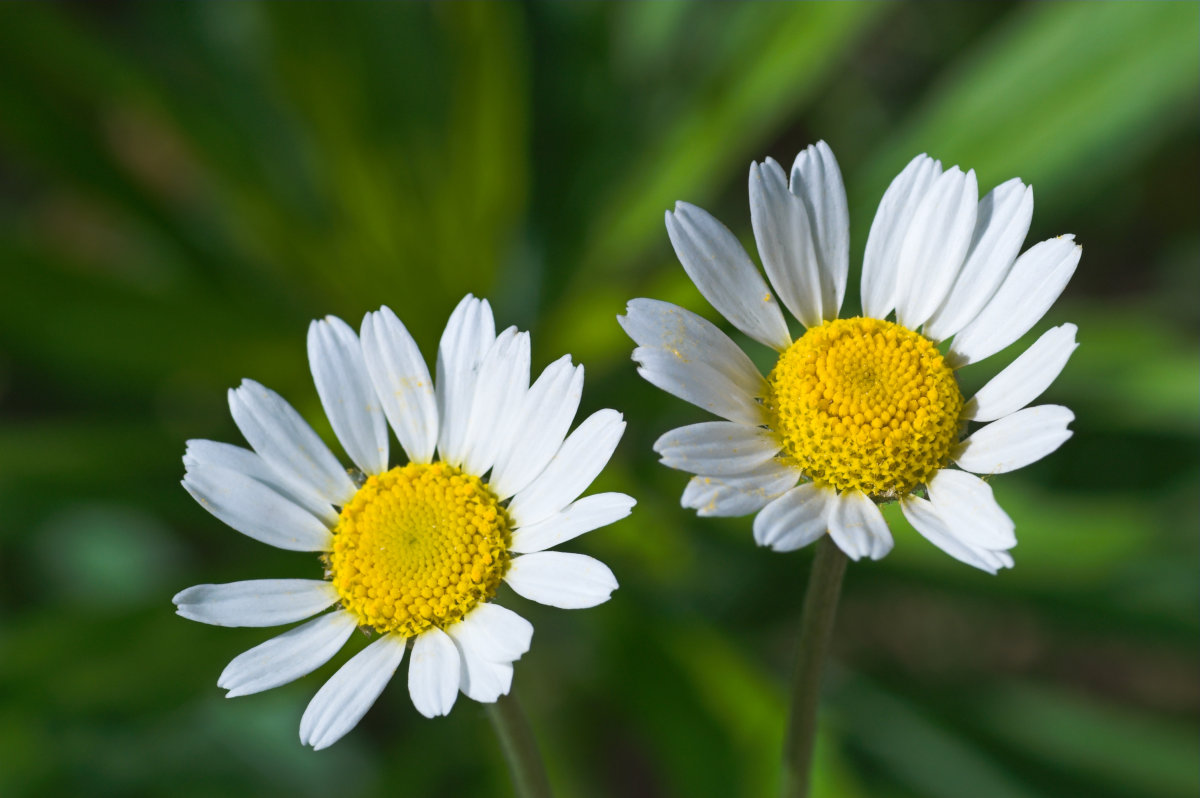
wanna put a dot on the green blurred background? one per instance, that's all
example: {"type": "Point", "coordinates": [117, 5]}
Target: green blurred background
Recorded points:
{"type": "Point", "coordinates": [184, 186]}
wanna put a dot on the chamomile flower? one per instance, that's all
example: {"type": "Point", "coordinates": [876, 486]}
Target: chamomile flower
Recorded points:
{"type": "Point", "coordinates": [412, 553]}
{"type": "Point", "coordinates": [864, 410]}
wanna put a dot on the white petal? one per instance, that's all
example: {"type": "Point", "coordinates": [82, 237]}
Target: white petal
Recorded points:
{"type": "Point", "coordinates": [255, 602]}
{"type": "Point", "coordinates": [340, 374]}
{"type": "Point", "coordinates": [496, 633]}
{"type": "Point", "coordinates": [546, 414]}
{"type": "Point", "coordinates": [888, 232]}
{"type": "Point", "coordinates": [468, 335]}
{"type": "Point", "coordinates": [1000, 228]}
{"type": "Point", "coordinates": [1025, 378]}
{"type": "Point", "coordinates": [479, 678]}
{"type": "Point", "coordinates": [722, 270]}
{"type": "Point", "coordinates": [858, 527]}
{"type": "Point", "coordinates": [255, 510]}
{"type": "Point", "coordinates": [433, 673]}
{"type": "Point", "coordinates": [969, 510]}
{"type": "Point", "coordinates": [1016, 440]}
{"type": "Point", "coordinates": [785, 242]}
{"type": "Point", "coordinates": [1031, 287]}
{"type": "Point", "coordinates": [699, 383]}
{"type": "Point", "coordinates": [226, 455]}
{"type": "Point", "coordinates": [590, 512]}
{"type": "Point", "coordinates": [485, 681]}
{"type": "Point", "coordinates": [935, 247]}
{"type": "Point", "coordinates": [738, 494]}
{"type": "Point", "coordinates": [795, 519]}
{"type": "Point", "coordinates": [925, 519]}
{"type": "Point", "coordinates": [660, 325]}
{"type": "Point", "coordinates": [500, 389]}
{"type": "Point", "coordinates": [234, 458]}
{"type": "Point", "coordinates": [717, 448]}
{"type": "Point", "coordinates": [558, 579]}
{"type": "Point", "coordinates": [285, 440]}
{"type": "Point", "coordinates": [402, 382]}
{"type": "Point", "coordinates": [580, 460]}
{"type": "Point", "coordinates": [342, 701]}
{"type": "Point", "coordinates": [295, 653]}
{"type": "Point", "coordinates": [817, 180]}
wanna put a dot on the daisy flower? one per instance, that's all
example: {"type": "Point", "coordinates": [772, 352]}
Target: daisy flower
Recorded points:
{"type": "Point", "coordinates": [415, 553]}
{"type": "Point", "coordinates": [864, 410]}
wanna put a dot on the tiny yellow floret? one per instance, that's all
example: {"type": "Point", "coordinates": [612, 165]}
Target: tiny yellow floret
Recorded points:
{"type": "Point", "coordinates": [419, 546]}
{"type": "Point", "coordinates": [864, 404]}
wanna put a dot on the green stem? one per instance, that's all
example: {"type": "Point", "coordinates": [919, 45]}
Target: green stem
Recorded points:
{"type": "Point", "coordinates": [520, 748]}
{"type": "Point", "coordinates": [816, 628]}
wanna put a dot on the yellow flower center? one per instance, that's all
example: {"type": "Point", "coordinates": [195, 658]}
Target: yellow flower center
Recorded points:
{"type": "Point", "coordinates": [863, 404]}
{"type": "Point", "coordinates": [419, 546]}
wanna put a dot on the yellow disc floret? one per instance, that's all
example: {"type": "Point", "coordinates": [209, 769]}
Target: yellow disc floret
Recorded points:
{"type": "Point", "coordinates": [864, 404]}
{"type": "Point", "coordinates": [419, 546]}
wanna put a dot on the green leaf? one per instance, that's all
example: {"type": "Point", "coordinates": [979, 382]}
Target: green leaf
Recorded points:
{"type": "Point", "coordinates": [1076, 734]}
{"type": "Point", "coordinates": [1062, 93]}
{"type": "Point", "coordinates": [916, 750]}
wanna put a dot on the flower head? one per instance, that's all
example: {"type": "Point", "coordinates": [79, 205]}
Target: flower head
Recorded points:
{"type": "Point", "coordinates": [864, 410]}
{"type": "Point", "coordinates": [412, 553]}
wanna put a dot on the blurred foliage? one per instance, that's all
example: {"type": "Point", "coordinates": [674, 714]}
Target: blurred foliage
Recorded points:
{"type": "Point", "coordinates": [183, 186]}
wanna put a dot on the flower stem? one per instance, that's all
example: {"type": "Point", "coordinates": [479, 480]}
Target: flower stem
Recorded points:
{"type": "Point", "coordinates": [816, 628]}
{"type": "Point", "coordinates": [520, 748]}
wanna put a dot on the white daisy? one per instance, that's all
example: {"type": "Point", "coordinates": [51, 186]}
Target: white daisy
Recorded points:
{"type": "Point", "coordinates": [862, 410]}
{"type": "Point", "coordinates": [416, 552]}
